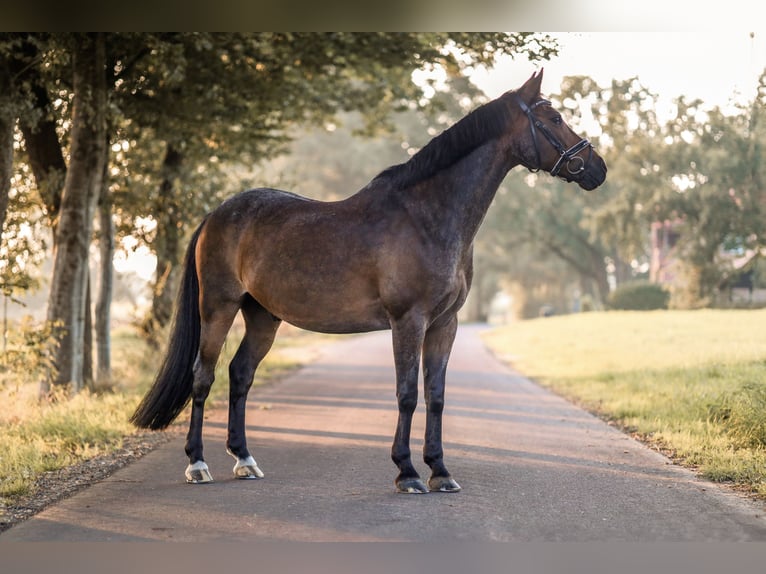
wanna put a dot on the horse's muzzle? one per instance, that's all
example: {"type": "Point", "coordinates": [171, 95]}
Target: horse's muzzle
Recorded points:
{"type": "Point", "coordinates": [594, 174]}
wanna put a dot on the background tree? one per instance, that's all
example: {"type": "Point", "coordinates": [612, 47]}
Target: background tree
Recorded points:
{"type": "Point", "coordinates": [192, 117]}
{"type": "Point", "coordinates": [219, 97]}
{"type": "Point", "coordinates": [717, 196]}
{"type": "Point", "coordinates": [21, 246]}
{"type": "Point", "coordinates": [194, 102]}
{"type": "Point", "coordinates": [537, 213]}
{"type": "Point", "coordinates": [701, 171]}
{"type": "Point", "coordinates": [69, 283]}
{"type": "Point", "coordinates": [40, 64]}
{"type": "Point", "coordinates": [7, 124]}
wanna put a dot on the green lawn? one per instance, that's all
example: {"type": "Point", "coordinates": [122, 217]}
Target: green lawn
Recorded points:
{"type": "Point", "coordinates": [690, 382]}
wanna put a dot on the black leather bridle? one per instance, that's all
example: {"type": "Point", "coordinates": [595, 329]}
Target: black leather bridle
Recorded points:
{"type": "Point", "coordinates": [567, 157]}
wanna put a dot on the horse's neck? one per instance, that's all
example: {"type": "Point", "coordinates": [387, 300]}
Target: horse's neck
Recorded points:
{"type": "Point", "coordinates": [454, 202]}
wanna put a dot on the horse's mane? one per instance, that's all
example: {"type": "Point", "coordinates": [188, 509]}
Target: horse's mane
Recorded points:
{"type": "Point", "coordinates": [478, 127]}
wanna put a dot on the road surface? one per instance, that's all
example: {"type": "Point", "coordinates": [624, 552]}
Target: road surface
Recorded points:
{"type": "Point", "coordinates": [532, 466]}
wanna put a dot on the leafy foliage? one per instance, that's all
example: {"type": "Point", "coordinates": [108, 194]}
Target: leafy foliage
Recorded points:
{"type": "Point", "coordinates": [27, 352]}
{"type": "Point", "coordinates": [702, 170]}
{"type": "Point", "coordinates": [639, 296]}
{"type": "Point", "coordinates": [191, 115]}
{"type": "Point", "coordinates": [218, 98]}
{"type": "Point", "coordinates": [183, 106]}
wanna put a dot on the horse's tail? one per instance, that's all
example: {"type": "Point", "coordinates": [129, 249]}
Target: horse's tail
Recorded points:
{"type": "Point", "coordinates": [172, 387]}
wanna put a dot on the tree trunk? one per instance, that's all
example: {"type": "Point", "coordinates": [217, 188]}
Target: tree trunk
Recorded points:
{"type": "Point", "coordinates": [7, 121]}
{"type": "Point", "coordinates": [167, 244]}
{"type": "Point", "coordinates": [6, 164]}
{"type": "Point", "coordinates": [599, 275]}
{"type": "Point", "coordinates": [105, 286]}
{"type": "Point", "coordinates": [41, 141]}
{"type": "Point", "coordinates": [66, 303]}
{"type": "Point", "coordinates": [87, 344]}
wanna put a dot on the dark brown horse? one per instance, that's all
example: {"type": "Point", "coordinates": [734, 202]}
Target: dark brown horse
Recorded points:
{"type": "Point", "coordinates": [396, 255]}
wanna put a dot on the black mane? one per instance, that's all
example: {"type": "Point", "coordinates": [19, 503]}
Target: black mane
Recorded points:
{"type": "Point", "coordinates": [478, 127]}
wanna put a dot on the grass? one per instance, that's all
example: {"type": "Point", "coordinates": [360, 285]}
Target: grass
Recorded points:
{"type": "Point", "coordinates": [38, 437]}
{"type": "Point", "coordinates": [690, 382]}
{"type": "Point", "coordinates": [47, 437]}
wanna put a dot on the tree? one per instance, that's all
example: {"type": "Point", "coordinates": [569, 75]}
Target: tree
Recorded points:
{"type": "Point", "coordinates": [701, 172]}
{"type": "Point", "coordinates": [103, 314]}
{"type": "Point", "coordinates": [196, 101]}
{"type": "Point", "coordinates": [39, 121]}
{"type": "Point", "coordinates": [702, 169]}
{"type": "Point", "coordinates": [69, 284]}
{"type": "Point", "coordinates": [9, 111]}
{"type": "Point", "coordinates": [20, 250]}
{"type": "Point", "coordinates": [212, 98]}
{"type": "Point", "coordinates": [7, 123]}
{"type": "Point", "coordinates": [544, 223]}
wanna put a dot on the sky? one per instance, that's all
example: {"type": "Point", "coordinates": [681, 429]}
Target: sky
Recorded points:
{"type": "Point", "coordinates": [713, 66]}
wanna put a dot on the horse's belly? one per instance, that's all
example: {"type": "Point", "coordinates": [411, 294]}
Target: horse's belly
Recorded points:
{"type": "Point", "coordinates": [330, 311]}
{"type": "Point", "coordinates": [338, 327]}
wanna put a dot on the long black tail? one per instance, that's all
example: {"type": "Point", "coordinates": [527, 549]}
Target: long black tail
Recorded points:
{"type": "Point", "coordinates": [172, 387]}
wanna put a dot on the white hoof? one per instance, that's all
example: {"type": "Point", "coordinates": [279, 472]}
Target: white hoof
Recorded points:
{"type": "Point", "coordinates": [198, 473]}
{"type": "Point", "coordinates": [247, 468]}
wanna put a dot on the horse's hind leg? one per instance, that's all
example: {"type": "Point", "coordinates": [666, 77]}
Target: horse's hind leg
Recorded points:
{"type": "Point", "coordinates": [436, 350]}
{"type": "Point", "coordinates": [261, 327]}
{"type": "Point", "coordinates": [215, 324]}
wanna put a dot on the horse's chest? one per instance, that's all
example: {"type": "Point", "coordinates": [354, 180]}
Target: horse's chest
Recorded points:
{"type": "Point", "coordinates": [430, 283]}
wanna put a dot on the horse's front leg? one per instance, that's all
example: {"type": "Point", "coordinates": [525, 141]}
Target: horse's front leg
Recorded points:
{"type": "Point", "coordinates": [407, 342]}
{"type": "Point", "coordinates": [436, 350]}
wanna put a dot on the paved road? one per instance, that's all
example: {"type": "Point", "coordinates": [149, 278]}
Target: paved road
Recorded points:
{"type": "Point", "coordinates": [532, 466]}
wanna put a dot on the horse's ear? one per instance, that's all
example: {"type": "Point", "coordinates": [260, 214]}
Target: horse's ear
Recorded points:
{"type": "Point", "coordinates": [531, 89]}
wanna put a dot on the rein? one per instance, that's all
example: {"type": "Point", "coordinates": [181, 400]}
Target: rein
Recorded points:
{"type": "Point", "coordinates": [568, 157]}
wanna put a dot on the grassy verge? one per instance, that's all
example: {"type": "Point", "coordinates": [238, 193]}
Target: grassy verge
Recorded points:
{"type": "Point", "coordinates": [39, 437]}
{"type": "Point", "coordinates": [690, 382]}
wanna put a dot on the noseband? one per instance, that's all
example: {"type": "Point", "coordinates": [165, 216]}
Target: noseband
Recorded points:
{"type": "Point", "coordinates": [567, 157]}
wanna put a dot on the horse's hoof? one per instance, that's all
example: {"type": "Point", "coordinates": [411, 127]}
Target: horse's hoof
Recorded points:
{"type": "Point", "coordinates": [198, 473]}
{"type": "Point", "coordinates": [443, 484]}
{"type": "Point", "coordinates": [247, 468]}
{"type": "Point", "coordinates": [411, 486]}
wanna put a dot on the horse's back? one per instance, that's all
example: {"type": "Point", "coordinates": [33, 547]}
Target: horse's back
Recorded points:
{"type": "Point", "coordinates": [260, 200]}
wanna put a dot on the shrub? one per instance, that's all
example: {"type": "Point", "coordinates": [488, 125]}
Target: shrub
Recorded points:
{"type": "Point", "coordinates": [638, 296]}
{"type": "Point", "coordinates": [743, 414]}
{"type": "Point", "coordinates": [27, 357]}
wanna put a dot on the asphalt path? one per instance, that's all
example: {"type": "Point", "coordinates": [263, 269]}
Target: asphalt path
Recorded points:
{"type": "Point", "coordinates": [532, 466]}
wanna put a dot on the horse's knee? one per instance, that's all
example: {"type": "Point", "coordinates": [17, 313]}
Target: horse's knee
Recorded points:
{"type": "Point", "coordinates": [407, 401]}
{"type": "Point", "coordinates": [435, 404]}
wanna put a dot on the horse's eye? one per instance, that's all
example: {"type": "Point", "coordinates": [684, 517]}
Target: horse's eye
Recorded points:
{"type": "Point", "coordinates": [557, 120]}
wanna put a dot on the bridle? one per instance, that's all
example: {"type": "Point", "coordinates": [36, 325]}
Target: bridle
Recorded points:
{"type": "Point", "coordinates": [567, 157]}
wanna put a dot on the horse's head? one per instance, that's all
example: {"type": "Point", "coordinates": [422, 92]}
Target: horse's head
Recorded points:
{"type": "Point", "coordinates": [546, 142]}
